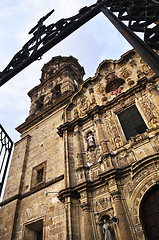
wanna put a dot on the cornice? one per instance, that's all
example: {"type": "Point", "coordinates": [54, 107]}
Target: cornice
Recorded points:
{"type": "Point", "coordinates": [32, 191]}
{"type": "Point", "coordinates": [114, 173]}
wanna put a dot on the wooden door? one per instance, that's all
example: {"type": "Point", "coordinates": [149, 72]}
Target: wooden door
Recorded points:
{"type": "Point", "coordinates": [150, 214]}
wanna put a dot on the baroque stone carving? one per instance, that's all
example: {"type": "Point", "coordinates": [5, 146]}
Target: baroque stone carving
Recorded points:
{"type": "Point", "coordinates": [102, 204]}
{"type": "Point", "coordinates": [102, 91]}
{"type": "Point", "coordinates": [94, 171]}
{"type": "Point", "coordinates": [75, 113]}
{"type": "Point", "coordinates": [115, 133]}
{"type": "Point", "coordinates": [122, 159]}
{"type": "Point", "coordinates": [83, 104]}
{"type": "Point", "coordinates": [148, 108]}
{"type": "Point", "coordinates": [93, 156]}
{"type": "Point", "coordinates": [126, 73]}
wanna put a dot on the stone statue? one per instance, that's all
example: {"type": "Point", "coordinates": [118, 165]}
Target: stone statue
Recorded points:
{"type": "Point", "coordinates": [90, 140]}
{"type": "Point", "coordinates": [106, 231]}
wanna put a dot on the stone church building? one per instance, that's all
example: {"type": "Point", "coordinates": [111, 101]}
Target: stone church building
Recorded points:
{"type": "Point", "coordinates": [87, 164]}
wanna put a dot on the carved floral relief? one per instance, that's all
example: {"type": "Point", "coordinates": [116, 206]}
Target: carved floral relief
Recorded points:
{"type": "Point", "coordinates": [113, 133]}
{"type": "Point", "coordinates": [149, 110]}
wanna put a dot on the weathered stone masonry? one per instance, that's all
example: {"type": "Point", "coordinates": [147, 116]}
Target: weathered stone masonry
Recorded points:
{"type": "Point", "coordinates": [93, 146]}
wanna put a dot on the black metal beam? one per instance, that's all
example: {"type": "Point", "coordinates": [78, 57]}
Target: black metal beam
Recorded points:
{"type": "Point", "coordinates": [149, 56]}
{"type": "Point", "coordinates": [55, 40]}
{"type": "Point", "coordinates": [140, 14]}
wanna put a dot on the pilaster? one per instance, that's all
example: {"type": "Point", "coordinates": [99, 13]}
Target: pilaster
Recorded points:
{"type": "Point", "coordinates": [123, 228]}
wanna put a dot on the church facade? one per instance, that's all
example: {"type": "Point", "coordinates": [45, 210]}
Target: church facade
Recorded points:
{"type": "Point", "coordinates": [87, 164]}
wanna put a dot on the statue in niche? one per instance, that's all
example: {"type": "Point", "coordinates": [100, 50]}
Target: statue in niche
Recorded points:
{"type": "Point", "coordinates": [90, 140]}
{"type": "Point", "coordinates": [106, 230]}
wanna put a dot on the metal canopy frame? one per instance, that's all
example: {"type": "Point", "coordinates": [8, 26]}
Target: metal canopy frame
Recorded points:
{"type": "Point", "coordinates": [141, 16]}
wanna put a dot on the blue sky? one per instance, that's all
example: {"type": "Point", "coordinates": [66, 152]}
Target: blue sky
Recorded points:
{"type": "Point", "coordinates": [94, 42]}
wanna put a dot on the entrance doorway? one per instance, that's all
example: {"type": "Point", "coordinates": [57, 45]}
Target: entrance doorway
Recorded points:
{"type": "Point", "coordinates": [149, 213]}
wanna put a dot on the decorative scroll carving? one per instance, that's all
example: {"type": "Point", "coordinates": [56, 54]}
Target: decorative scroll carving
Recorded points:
{"type": "Point", "coordinates": [109, 131]}
{"type": "Point", "coordinates": [83, 103]}
{"type": "Point", "coordinates": [149, 109]}
{"type": "Point", "coordinates": [130, 82]}
{"type": "Point", "coordinates": [122, 159]}
{"type": "Point", "coordinates": [93, 156]}
{"type": "Point", "coordinates": [75, 113]}
{"type": "Point", "coordinates": [132, 62]}
{"type": "Point", "coordinates": [126, 73]}
{"type": "Point", "coordinates": [94, 171]}
{"type": "Point", "coordinates": [115, 132]}
{"type": "Point", "coordinates": [101, 91]}
{"type": "Point", "coordinates": [102, 204]}
{"type": "Point", "coordinates": [93, 102]}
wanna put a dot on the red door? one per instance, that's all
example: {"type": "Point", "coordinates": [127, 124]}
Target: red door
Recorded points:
{"type": "Point", "coordinates": [150, 214]}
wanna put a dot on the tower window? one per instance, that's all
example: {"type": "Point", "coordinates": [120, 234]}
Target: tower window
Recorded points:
{"type": "Point", "coordinates": [132, 122]}
{"type": "Point", "coordinates": [38, 174]}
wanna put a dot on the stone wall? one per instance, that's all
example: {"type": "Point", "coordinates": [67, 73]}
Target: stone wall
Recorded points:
{"type": "Point", "coordinates": [74, 146]}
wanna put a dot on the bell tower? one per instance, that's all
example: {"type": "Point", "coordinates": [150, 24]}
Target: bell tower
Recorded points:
{"type": "Point", "coordinates": [38, 161]}
{"type": "Point", "coordinates": [60, 77]}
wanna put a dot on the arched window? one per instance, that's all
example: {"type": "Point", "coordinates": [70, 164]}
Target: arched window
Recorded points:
{"type": "Point", "coordinates": [149, 213]}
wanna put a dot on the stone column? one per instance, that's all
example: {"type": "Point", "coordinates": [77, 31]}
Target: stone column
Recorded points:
{"type": "Point", "coordinates": [123, 228]}
{"type": "Point", "coordinates": [79, 146]}
{"type": "Point", "coordinates": [88, 230]}
{"type": "Point", "coordinates": [66, 154]}
{"type": "Point", "coordinates": [68, 208]}
{"type": "Point", "coordinates": [101, 137]}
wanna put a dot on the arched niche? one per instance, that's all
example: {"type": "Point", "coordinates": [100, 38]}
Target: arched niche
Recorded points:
{"type": "Point", "coordinates": [114, 84]}
{"type": "Point", "coordinates": [106, 225]}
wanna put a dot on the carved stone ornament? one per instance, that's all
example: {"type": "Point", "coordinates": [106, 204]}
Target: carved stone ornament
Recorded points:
{"type": "Point", "coordinates": [101, 91]}
{"type": "Point", "coordinates": [93, 156]}
{"type": "Point", "coordinates": [126, 73]}
{"type": "Point", "coordinates": [148, 109]}
{"type": "Point", "coordinates": [75, 113]}
{"type": "Point", "coordinates": [115, 132]}
{"type": "Point", "coordinates": [83, 105]}
{"type": "Point", "coordinates": [101, 204]}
